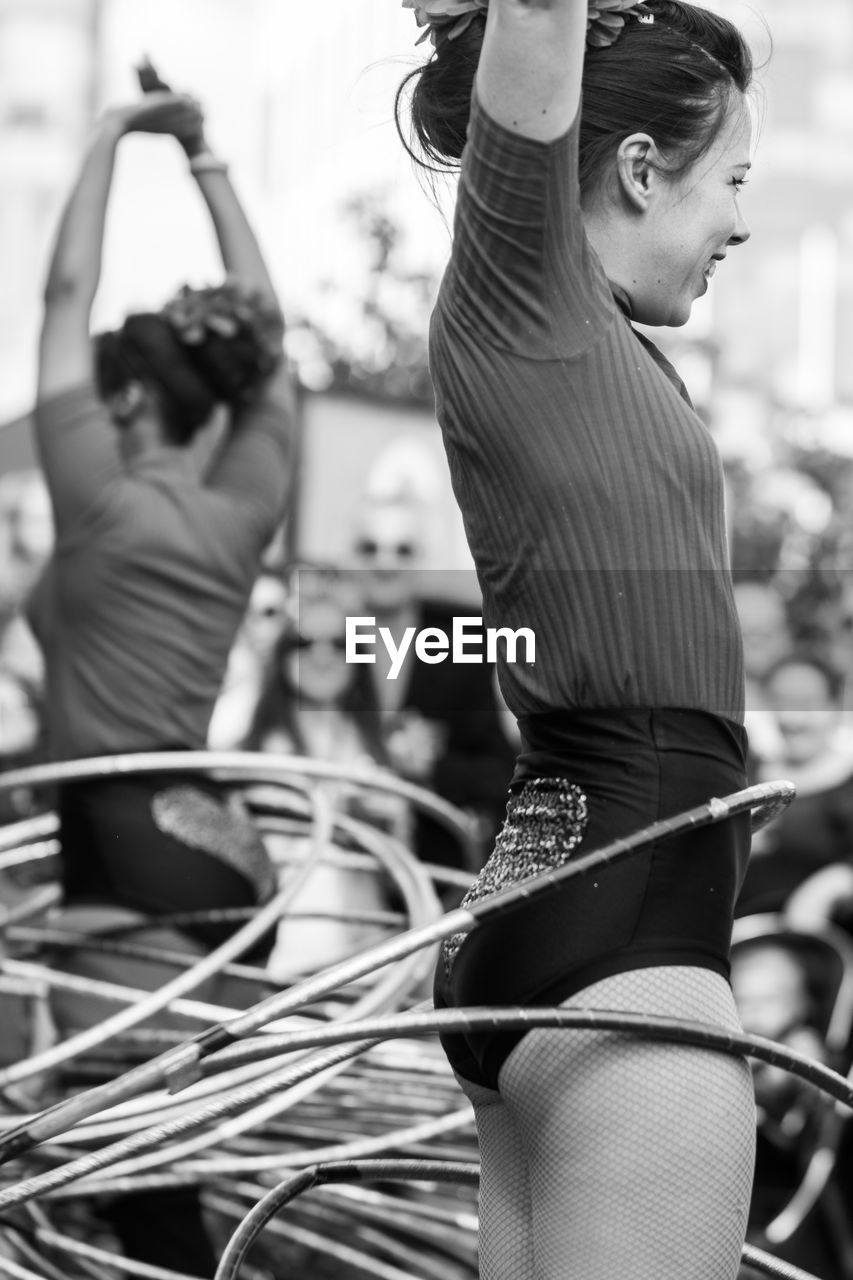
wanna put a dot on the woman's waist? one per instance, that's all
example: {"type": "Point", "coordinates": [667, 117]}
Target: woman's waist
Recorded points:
{"type": "Point", "coordinates": [590, 741]}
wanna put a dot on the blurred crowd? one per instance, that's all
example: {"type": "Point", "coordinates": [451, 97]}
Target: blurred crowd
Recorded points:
{"type": "Point", "coordinates": [26, 540]}
{"type": "Point", "coordinates": [290, 690]}
{"type": "Point", "coordinates": [792, 963]}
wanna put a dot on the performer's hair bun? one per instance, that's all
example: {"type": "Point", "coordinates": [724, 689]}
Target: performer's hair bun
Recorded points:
{"type": "Point", "coordinates": [205, 347]}
{"type": "Point", "coordinates": [672, 73]}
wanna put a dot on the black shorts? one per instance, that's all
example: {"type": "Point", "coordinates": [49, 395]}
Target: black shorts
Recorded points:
{"type": "Point", "coordinates": [583, 780]}
{"type": "Point", "coordinates": [161, 844]}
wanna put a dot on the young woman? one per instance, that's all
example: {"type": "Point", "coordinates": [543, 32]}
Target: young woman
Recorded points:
{"type": "Point", "coordinates": [154, 561]}
{"type": "Point", "coordinates": [597, 187]}
{"type": "Point", "coordinates": [313, 702]}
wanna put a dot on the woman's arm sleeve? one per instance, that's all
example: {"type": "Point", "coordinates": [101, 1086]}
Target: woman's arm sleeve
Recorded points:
{"type": "Point", "coordinates": [522, 275]}
{"type": "Point", "coordinates": [78, 449]}
{"type": "Point", "coordinates": [256, 461]}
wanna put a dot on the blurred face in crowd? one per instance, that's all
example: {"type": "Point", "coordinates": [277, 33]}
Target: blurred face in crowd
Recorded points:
{"type": "Point", "coordinates": [19, 720]}
{"type": "Point", "coordinates": [26, 533]}
{"type": "Point", "coordinates": [32, 528]}
{"type": "Point", "coordinates": [769, 989]}
{"type": "Point", "coordinates": [806, 712]}
{"type": "Point", "coordinates": [314, 658]}
{"type": "Point", "coordinates": [388, 551]}
{"type": "Point", "coordinates": [764, 624]}
{"type": "Point", "coordinates": [266, 614]}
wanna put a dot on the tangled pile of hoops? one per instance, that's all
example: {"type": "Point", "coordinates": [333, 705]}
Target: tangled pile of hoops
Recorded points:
{"type": "Point", "coordinates": [212, 1075]}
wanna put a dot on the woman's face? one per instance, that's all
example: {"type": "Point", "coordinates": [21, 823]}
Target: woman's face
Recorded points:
{"type": "Point", "coordinates": [266, 614]}
{"type": "Point", "coordinates": [314, 663]}
{"type": "Point", "coordinates": [770, 990]}
{"type": "Point", "coordinates": [388, 552]}
{"type": "Point", "coordinates": [692, 221]}
{"type": "Point", "coordinates": [806, 713]}
{"type": "Point", "coordinates": [764, 624]}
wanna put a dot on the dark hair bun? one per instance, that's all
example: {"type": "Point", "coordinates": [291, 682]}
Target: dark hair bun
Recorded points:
{"type": "Point", "coordinates": [206, 347]}
{"type": "Point", "coordinates": [232, 334]}
{"type": "Point", "coordinates": [672, 77]}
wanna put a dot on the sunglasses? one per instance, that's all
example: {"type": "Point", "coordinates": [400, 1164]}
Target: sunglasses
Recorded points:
{"type": "Point", "coordinates": [370, 547]}
{"type": "Point", "coordinates": [315, 642]}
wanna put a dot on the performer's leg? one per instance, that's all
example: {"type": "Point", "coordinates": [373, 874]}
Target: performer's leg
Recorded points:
{"type": "Point", "coordinates": [505, 1239]}
{"type": "Point", "coordinates": [640, 1153]}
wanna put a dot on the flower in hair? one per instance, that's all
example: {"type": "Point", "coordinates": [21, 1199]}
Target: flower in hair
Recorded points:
{"type": "Point", "coordinates": [226, 310]}
{"type": "Point", "coordinates": [605, 18]}
{"type": "Point", "coordinates": [456, 15]}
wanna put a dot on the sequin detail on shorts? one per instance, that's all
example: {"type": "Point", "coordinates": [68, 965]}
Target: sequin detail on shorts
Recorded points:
{"type": "Point", "coordinates": [218, 828]}
{"type": "Point", "coordinates": [545, 822]}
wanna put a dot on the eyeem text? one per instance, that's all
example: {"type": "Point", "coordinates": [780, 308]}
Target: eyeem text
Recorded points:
{"type": "Point", "coordinates": [469, 641]}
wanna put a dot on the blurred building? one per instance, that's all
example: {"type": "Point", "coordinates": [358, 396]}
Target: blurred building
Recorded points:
{"type": "Point", "coordinates": [300, 101]}
{"type": "Point", "coordinates": [47, 68]}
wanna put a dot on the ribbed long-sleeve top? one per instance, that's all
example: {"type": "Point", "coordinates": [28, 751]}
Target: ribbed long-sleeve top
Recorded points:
{"type": "Point", "coordinates": [592, 493]}
{"type": "Point", "coordinates": [152, 569]}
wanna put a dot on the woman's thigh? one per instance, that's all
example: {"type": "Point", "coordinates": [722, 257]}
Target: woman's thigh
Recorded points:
{"type": "Point", "coordinates": [505, 1242]}
{"type": "Point", "coordinates": [639, 1153]}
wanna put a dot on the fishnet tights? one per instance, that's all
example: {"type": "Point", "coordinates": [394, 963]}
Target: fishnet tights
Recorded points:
{"type": "Point", "coordinates": [608, 1158]}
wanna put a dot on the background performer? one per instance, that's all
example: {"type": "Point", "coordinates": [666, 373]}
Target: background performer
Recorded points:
{"type": "Point", "coordinates": [154, 561]}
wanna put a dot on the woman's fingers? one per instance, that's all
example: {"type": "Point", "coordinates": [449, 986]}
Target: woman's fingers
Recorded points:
{"type": "Point", "coordinates": [163, 112]}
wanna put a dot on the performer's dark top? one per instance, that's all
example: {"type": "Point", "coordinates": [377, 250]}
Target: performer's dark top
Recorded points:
{"type": "Point", "coordinates": [149, 579]}
{"type": "Point", "coordinates": [592, 493]}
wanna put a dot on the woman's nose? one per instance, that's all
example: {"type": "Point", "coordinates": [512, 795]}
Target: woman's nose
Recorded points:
{"type": "Point", "coordinates": [741, 233]}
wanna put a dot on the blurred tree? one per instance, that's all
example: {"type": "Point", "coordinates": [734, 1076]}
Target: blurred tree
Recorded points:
{"type": "Point", "coordinates": [369, 338]}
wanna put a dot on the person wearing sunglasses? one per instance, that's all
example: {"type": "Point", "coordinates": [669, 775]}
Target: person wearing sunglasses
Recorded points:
{"type": "Point", "coordinates": [313, 702]}
{"type": "Point", "coordinates": [441, 722]}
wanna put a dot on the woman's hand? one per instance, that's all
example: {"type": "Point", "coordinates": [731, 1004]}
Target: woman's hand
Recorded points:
{"type": "Point", "coordinates": [176, 114]}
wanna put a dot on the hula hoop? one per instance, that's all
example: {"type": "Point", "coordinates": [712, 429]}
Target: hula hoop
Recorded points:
{"type": "Point", "coordinates": [175, 1068]}
{"type": "Point", "coordinates": [359, 1171]}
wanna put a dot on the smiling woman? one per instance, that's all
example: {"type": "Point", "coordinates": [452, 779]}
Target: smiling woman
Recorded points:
{"type": "Point", "coordinates": [663, 238]}
{"type": "Point", "coordinates": [599, 186]}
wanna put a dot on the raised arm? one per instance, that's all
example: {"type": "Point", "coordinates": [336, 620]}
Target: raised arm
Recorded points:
{"type": "Point", "coordinates": [245, 466]}
{"type": "Point", "coordinates": [238, 245]}
{"type": "Point", "coordinates": [65, 358]}
{"type": "Point", "coordinates": [529, 75]}
{"type": "Point", "coordinates": [241, 255]}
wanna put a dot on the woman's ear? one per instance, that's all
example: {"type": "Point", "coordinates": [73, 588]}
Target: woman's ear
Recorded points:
{"type": "Point", "coordinates": [638, 168]}
{"type": "Point", "coordinates": [127, 404]}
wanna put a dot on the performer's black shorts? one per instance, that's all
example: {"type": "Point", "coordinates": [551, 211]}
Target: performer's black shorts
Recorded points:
{"type": "Point", "coordinates": [584, 779]}
{"type": "Point", "coordinates": [162, 844]}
